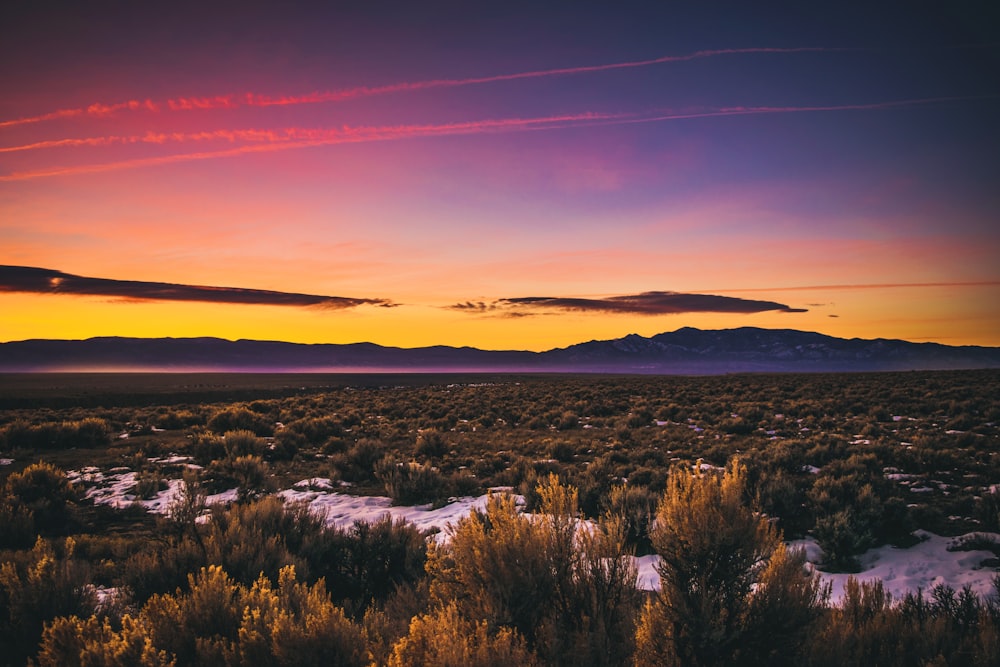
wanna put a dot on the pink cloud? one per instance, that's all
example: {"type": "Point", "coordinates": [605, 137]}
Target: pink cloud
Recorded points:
{"type": "Point", "coordinates": [261, 100]}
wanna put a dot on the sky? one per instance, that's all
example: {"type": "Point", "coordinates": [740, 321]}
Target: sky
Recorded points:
{"type": "Point", "coordinates": [499, 175]}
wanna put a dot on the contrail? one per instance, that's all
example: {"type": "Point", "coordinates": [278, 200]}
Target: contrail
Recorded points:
{"type": "Point", "coordinates": [863, 286]}
{"type": "Point", "coordinates": [765, 110]}
{"type": "Point", "coordinates": [291, 138]}
{"type": "Point", "coordinates": [551, 122]}
{"type": "Point", "coordinates": [257, 100]}
{"type": "Point", "coordinates": [97, 109]}
{"type": "Point", "coordinates": [170, 137]}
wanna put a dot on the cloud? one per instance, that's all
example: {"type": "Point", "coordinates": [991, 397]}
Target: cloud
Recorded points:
{"type": "Point", "coordinates": [646, 303]}
{"type": "Point", "coordinates": [294, 138]}
{"type": "Point", "coordinates": [265, 140]}
{"type": "Point", "coordinates": [48, 281]}
{"type": "Point", "coordinates": [259, 100]}
{"type": "Point", "coordinates": [864, 286]}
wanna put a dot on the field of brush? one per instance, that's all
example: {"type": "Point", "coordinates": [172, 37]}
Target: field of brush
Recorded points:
{"type": "Point", "coordinates": [891, 474]}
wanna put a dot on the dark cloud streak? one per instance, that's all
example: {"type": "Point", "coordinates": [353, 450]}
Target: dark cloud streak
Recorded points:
{"type": "Point", "coordinates": [646, 303]}
{"type": "Point", "coordinates": [48, 281]}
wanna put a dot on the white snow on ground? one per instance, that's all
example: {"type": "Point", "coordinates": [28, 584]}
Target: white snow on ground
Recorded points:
{"type": "Point", "coordinates": [921, 566]}
{"type": "Point", "coordinates": [343, 510]}
{"type": "Point", "coordinates": [902, 571]}
{"type": "Point", "coordinates": [112, 488]}
{"type": "Point", "coordinates": [649, 579]}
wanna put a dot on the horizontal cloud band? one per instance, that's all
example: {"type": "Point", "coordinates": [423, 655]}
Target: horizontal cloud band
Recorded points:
{"type": "Point", "coordinates": [48, 281]}
{"type": "Point", "coordinates": [646, 303]}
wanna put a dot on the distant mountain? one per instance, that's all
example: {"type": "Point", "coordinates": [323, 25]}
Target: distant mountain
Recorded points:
{"type": "Point", "coordinates": [685, 351]}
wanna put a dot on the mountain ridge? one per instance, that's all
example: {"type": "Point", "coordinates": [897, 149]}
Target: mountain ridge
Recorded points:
{"type": "Point", "coordinates": [687, 350]}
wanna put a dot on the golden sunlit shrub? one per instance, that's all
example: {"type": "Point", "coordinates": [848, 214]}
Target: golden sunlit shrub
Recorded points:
{"type": "Point", "coordinates": [723, 571]}
{"type": "Point", "coordinates": [217, 622]}
{"type": "Point", "coordinates": [448, 639]}
{"type": "Point", "coordinates": [74, 642]}
{"type": "Point", "coordinates": [568, 589]}
{"type": "Point", "coordinates": [37, 587]}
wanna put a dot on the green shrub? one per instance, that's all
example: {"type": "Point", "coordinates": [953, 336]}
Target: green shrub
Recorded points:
{"type": "Point", "coordinates": [411, 483]}
{"type": "Point", "coordinates": [240, 419]}
{"type": "Point", "coordinates": [44, 490]}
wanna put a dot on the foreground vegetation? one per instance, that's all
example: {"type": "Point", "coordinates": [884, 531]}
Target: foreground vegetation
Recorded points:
{"type": "Point", "coordinates": [711, 474]}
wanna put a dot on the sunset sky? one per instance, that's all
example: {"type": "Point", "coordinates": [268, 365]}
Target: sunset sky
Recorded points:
{"type": "Point", "coordinates": [499, 175]}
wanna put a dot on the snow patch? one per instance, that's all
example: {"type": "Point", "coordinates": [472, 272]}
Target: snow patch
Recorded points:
{"type": "Point", "coordinates": [343, 510]}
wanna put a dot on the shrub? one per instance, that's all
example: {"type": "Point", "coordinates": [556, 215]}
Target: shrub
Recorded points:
{"type": "Point", "coordinates": [358, 463]}
{"type": "Point", "coordinates": [447, 639]}
{"type": "Point", "coordinates": [411, 483]}
{"type": "Point", "coordinates": [36, 589]}
{"type": "Point", "coordinates": [572, 600]}
{"type": "Point", "coordinates": [636, 507]}
{"type": "Point", "coordinates": [218, 622]}
{"type": "Point", "coordinates": [148, 484]}
{"type": "Point", "coordinates": [368, 562]}
{"type": "Point", "coordinates": [724, 574]}
{"type": "Point", "coordinates": [208, 447]}
{"type": "Point", "coordinates": [18, 524]}
{"type": "Point", "coordinates": [240, 419]}
{"type": "Point", "coordinates": [430, 444]}
{"type": "Point", "coordinates": [317, 430]}
{"type": "Point", "coordinates": [243, 443]}
{"type": "Point", "coordinates": [249, 474]}
{"type": "Point", "coordinates": [44, 490]}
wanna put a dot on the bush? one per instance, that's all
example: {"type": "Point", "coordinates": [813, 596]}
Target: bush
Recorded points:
{"type": "Point", "coordinates": [208, 447]}
{"type": "Point", "coordinates": [240, 419]}
{"type": "Point", "coordinates": [448, 639]}
{"type": "Point", "coordinates": [243, 443]}
{"type": "Point", "coordinates": [572, 600]}
{"type": "Point", "coordinates": [430, 444]}
{"type": "Point", "coordinates": [42, 489]}
{"type": "Point", "coordinates": [218, 622]}
{"type": "Point", "coordinates": [18, 525]}
{"type": "Point", "coordinates": [317, 430]}
{"type": "Point", "coordinates": [89, 433]}
{"type": "Point", "coordinates": [411, 483]}
{"type": "Point", "coordinates": [358, 463]}
{"type": "Point", "coordinates": [148, 483]}
{"type": "Point", "coordinates": [34, 590]}
{"type": "Point", "coordinates": [636, 506]}
{"type": "Point", "coordinates": [729, 591]}
{"type": "Point", "coordinates": [249, 474]}
{"type": "Point", "coordinates": [368, 562]}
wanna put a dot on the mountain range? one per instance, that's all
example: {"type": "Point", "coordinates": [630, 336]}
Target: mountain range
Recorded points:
{"type": "Point", "coordinates": [684, 351]}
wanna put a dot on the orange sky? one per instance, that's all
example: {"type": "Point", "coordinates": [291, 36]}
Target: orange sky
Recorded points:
{"type": "Point", "coordinates": [438, 171]}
